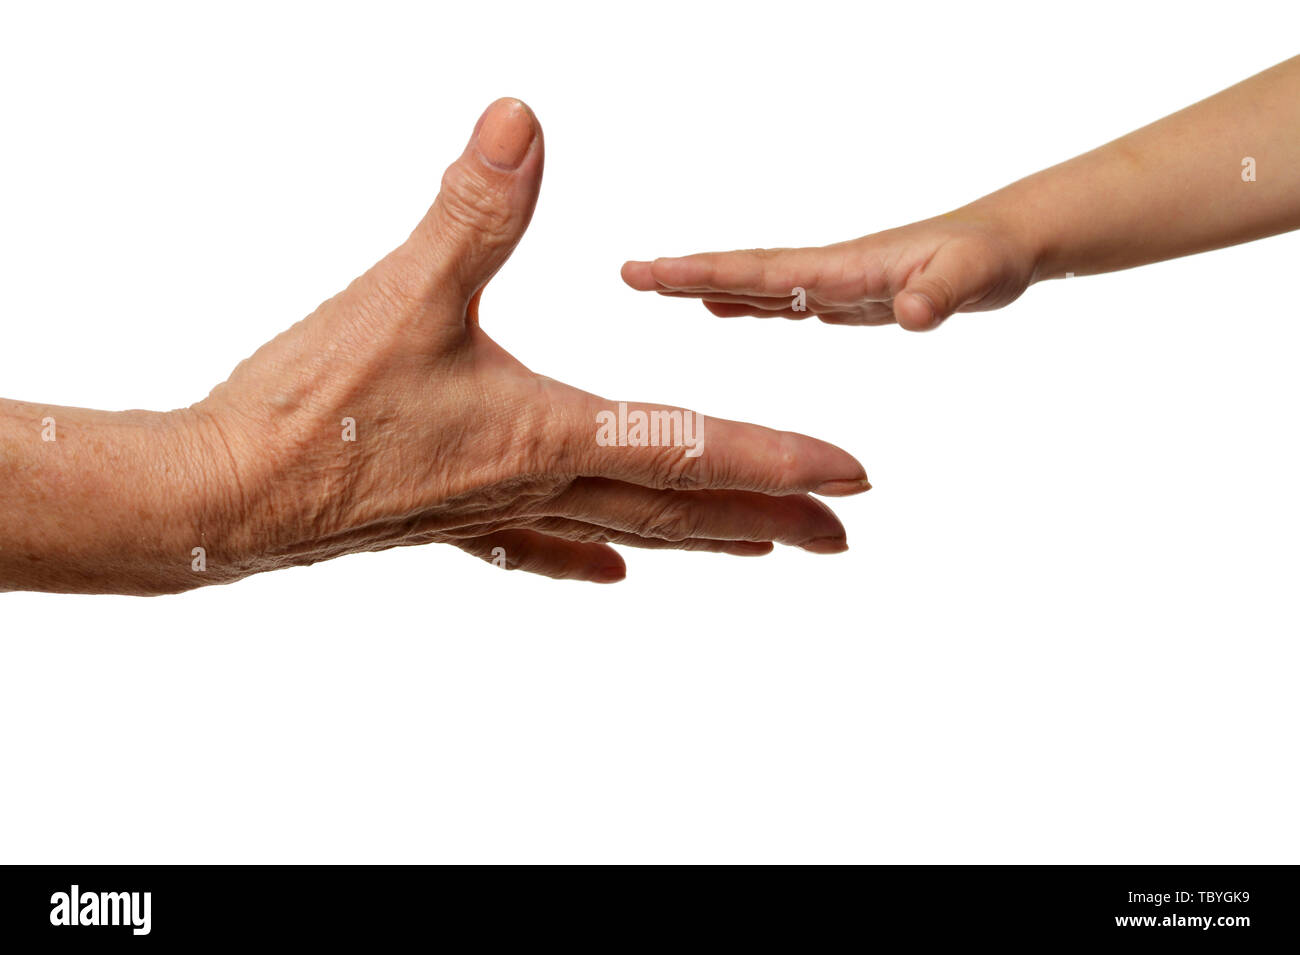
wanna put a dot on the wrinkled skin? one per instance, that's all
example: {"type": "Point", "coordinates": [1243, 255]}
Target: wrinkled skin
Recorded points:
{"type": "Point", "coordinates": [457, 442]}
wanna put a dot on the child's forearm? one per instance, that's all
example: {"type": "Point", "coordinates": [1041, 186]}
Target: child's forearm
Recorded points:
{"type": "Point", "coordinates": [1223, 171]}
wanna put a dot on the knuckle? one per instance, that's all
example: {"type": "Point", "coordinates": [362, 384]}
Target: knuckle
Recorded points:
{"type": "Point", "coordinates": [670, 521]}
{"type": "Point", "coordinates": [473, 203]}
{"type": "Point", "coordinates": [680, 472]}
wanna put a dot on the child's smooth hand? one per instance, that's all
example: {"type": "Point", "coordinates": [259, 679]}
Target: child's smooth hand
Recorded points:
{"type": "Point", "coordinates": [916, 276]}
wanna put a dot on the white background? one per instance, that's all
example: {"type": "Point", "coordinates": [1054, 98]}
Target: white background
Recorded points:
{"type": "Point", "coordinates": [1065, 632]}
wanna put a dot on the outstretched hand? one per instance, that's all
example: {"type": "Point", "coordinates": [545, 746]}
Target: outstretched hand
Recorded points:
{"type": "Point", "coordinates": [917, 275]}
{"type": "Point", "coordinates": [454, 441]}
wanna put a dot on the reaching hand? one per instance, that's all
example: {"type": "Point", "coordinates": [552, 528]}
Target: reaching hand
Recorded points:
{"type": "Point", "coordinates": [916, 276]}
{"type": "Point", "coordinates": [453, 440]}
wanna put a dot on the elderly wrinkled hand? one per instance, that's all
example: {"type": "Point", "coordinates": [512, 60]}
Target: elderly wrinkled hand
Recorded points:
{"type": "Point", "coordinates": [389, 417]}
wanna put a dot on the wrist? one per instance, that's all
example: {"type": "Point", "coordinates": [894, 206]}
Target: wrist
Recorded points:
{"type": "Point", "coordinates": [203, 498]}
{"type": "Point", "coordinates": [1016, 217]}
{"type": "Point", "coordinates": [274, 486]}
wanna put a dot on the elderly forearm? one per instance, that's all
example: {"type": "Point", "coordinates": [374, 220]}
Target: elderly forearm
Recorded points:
{"type": "Point", "coordinates": [103, 502]}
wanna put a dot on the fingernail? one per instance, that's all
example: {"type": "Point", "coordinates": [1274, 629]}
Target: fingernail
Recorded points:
{"type": "Point", "coordinates": [505, 133]}
{"type": "Point", "coordinates": [609, 575]}
{"type": "Point", "coordinates": [842, 488]}
{"type": "Point", "coordinates": [826, 545]}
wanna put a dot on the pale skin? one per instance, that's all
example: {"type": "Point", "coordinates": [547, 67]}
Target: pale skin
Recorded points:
{"type": "Point", "coordinates": [456, 441]}
{"type": "Point", "coordinates": [1173, 188]}
{"type": "Point", "coordinates": [459, 443]}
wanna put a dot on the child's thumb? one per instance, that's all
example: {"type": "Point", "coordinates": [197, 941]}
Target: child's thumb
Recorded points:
{"type": "Point", "coordinates": [944, 285]}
